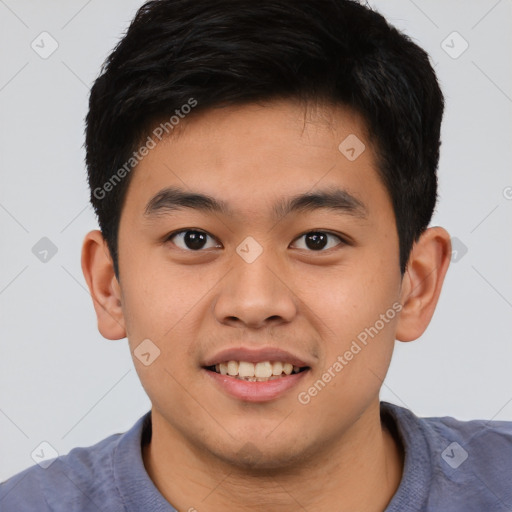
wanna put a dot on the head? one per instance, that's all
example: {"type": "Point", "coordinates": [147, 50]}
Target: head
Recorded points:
{"type": "Point", "coordinates": [312, 128]}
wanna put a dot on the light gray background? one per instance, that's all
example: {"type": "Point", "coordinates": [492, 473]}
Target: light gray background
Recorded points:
{"type": "Point", "coordinates": [61, 382]}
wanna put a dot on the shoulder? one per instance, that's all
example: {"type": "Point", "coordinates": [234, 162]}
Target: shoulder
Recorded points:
{"type": "Point", "coordinates": [482, 437]}
{"type": "Point", "coordinates": [482, 440]}
{"type": "Point", "coordinates": [82, 480]}
{"type": "Point", "coordinates": [475, 458]}
{"type": "Point", "coordinates": [470, 462]}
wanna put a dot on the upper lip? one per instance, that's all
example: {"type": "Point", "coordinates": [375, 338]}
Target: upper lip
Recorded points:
{"type": "Point", "coordinates": [252, 355]}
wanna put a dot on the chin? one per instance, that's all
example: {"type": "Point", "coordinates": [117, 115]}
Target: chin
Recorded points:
{"type": "Point", "coordinates": [260, 458]}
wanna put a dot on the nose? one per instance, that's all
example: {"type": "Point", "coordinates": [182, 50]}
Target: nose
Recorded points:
{"type": "Point", "coordinates": [255, 295]}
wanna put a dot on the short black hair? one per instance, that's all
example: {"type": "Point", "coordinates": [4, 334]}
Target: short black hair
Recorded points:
{"type": "Point", "coordinates": [203, 54]}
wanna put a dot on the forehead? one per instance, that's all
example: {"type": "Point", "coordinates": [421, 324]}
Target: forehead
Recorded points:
{"type": "Point", "coordinates": [249, 156]}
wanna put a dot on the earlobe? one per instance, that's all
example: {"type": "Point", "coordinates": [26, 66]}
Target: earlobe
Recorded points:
{"type": "Point", "coordinates": [422, 282]}
{"type": "Point", "coordinates": [98, 270]}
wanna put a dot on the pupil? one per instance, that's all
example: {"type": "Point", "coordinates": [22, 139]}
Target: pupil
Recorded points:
{"type": "Point", "coordinates": [318, 240]}
{"type": "Point", "coordinates": [194, 239]}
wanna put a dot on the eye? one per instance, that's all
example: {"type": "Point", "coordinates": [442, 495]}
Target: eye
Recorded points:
{"type": "Point", "coordinates": [191, 239]}
{"type": "Point", "coordinates": [318, 240]}
{"type": "Point", "coordinates": [195, 240]}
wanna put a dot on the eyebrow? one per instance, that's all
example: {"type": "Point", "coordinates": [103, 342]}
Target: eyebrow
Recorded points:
{"type": "Point", "coordinates": [334, 199]}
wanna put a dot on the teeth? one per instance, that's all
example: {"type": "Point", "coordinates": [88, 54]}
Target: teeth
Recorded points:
{"type": "Point", "coordinates": [277, 368]}
{"type": "Point", "coordinates": [232, 368]}
{"type": "Point", "coordinates": [262, 371]}
{"type": "Point", "coordinates": [288, 368]}
{"type": "Point", "coordinates": [245, 369]}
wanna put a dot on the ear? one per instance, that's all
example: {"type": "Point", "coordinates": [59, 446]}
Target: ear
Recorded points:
{"type": "Point", "coordinates": [422, 282]}
{"type": "Point", "coordinates": [98, 270]}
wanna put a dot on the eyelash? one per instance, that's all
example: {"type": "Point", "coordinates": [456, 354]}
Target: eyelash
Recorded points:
{"type": "Point", "coordinates": [340, 238]}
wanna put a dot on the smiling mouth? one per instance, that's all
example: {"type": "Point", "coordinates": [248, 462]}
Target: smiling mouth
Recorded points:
{"type": "Point", "coordinates": [256, 372]}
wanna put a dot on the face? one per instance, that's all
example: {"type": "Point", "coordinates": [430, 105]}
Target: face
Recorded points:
{"type": "Point", "coordinates": [259, 273]}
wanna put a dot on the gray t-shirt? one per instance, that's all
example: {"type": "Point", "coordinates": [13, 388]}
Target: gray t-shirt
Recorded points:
{"type": "Point", "coordinates": [450, 466]}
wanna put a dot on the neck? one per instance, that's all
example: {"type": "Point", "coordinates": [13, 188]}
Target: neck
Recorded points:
{"type": "Point", "coordinates": [360, 471]}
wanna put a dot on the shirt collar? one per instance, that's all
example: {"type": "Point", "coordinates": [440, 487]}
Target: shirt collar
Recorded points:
{"type": "Point", "coordinates": [137, 491]}
{"type": "Point", "coordinates": [414, 488]}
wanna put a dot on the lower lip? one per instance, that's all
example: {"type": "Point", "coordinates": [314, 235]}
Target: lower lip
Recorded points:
{"type": "Point", "coordinates": [256, 391]}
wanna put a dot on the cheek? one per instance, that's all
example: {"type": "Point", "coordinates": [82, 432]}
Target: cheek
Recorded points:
{"type": "Point", "coordinates": [155, 312]}
{"type": "Point", "coordinates": [158, 296]}
{"type": "Point", "coordinates": [165, 306]}
{"type": "Point", "coordinates": [352, 299]}
{"type": "Point", "coordinates": [359, 309]}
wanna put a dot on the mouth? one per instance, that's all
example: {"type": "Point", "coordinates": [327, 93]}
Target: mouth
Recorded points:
{"type": "Point", "coordinates": [256, 375]}
{"type": "Point", "coordinates": [261, 371]}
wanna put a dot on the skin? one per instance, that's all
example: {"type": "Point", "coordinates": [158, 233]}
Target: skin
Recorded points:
{"type": "Point", "coordinates": [325, 455]}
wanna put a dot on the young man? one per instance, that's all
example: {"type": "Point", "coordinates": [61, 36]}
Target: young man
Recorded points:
{"type": "Point", "coordinates": [264, 174]}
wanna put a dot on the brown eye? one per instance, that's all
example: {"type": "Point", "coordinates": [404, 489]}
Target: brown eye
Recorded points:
{"type": "Point", "coordinates": [191, 239]}
{"type": "Point", "coordinates": [318, 240]}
